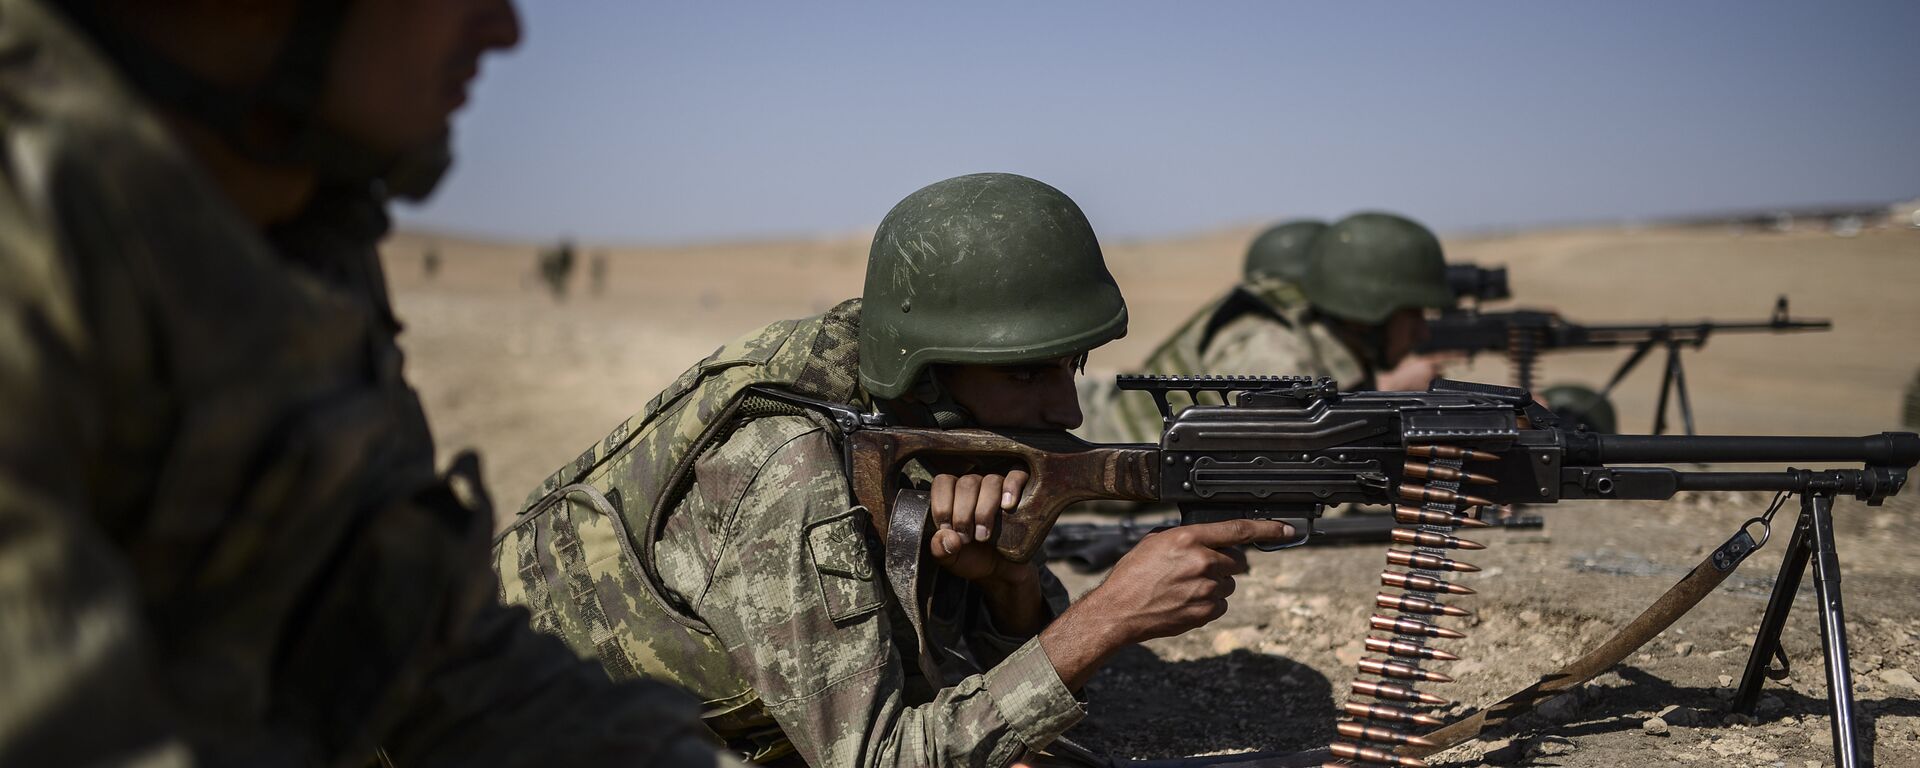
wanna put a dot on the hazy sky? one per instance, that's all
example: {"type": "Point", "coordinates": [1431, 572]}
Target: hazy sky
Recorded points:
{"type": "Point", "coordinates": [666, 122]}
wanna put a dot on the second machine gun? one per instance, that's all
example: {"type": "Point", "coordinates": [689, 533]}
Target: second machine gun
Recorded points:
{"type": "Point", "coordinates": [1286, 447]}
{"type": "Point", "coordinates": [1523, 335]}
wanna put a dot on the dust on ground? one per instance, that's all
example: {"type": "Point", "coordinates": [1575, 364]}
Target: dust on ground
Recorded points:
{"type": "Point", "coordinates": [530, 379]}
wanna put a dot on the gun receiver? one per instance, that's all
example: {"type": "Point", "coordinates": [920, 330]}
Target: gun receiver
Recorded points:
{"type": "Point", "coordinates": [1286, 447]}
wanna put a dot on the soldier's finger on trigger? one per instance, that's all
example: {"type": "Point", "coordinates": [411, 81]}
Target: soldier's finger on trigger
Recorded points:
{"type": "Point", "coordinates": [940, 501]}
{"type": "Point", "coordinates": [965, 491]}
{"type": "Point", "coordinates": [986, 507]}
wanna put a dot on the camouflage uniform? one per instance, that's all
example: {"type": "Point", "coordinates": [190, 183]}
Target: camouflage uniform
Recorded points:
{"type": "Point", "coordinates": [766, 597]}
{"type": "Point", "coordinates": [224, 540]}
{"type": "Point", "coordinates": [1261, 327]}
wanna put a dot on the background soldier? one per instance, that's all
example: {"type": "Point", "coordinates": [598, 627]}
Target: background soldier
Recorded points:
{"type": "Point", "coordinates": [225, 543]}
{"type": "Point", "coordinates": [556, 267]}
{"type": "Point", "coordinates": [1355, 315]}
{"type": "Point", "coordinates": [1910, 410]}
{"type": "Point", "coordinates": [762, 588]}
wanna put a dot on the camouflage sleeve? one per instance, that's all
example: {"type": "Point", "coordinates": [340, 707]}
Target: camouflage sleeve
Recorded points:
{"type": "Point", "coordinates": [74, 671]}
{"type": "Point", "coordinates": [797, 600]}
{"type": "Point", "coordinates": [990, 645]}
{"type": "Point", "coordinates": [513, 696]}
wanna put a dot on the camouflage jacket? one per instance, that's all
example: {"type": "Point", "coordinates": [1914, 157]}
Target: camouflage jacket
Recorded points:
{"type": "Point", "coordinates": [1260, 328]}
{"type": "Point", "coordinates": [224, 539]}
{"type": "Point", "coordinates": [758, 585]}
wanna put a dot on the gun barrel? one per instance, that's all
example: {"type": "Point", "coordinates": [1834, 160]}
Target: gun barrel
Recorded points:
{"type": "Point", "coordinates": [1891, 449]}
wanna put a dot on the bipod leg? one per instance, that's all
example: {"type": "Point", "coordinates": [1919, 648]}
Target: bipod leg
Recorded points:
{"type": "Point", "coordinates": [1666, 390]}
{"type": "Point", "coordinates": [1766, 644]}
{"type": "Point", "coordinates": [1679, 373]}
{"type": "Point", "coordinates": [1833, 631]}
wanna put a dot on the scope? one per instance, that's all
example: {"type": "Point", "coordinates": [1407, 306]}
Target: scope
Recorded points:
{"type": "Point", "coordinates": [1472, 281]}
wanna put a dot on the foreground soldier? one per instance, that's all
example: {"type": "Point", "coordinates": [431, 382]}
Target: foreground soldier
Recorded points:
{"type": "Point", "coordinates": [222, 541]}
{"type": "Point", "coordinates": [1355, 314]}
{"type": "Point", "coordinates": [722, 550]}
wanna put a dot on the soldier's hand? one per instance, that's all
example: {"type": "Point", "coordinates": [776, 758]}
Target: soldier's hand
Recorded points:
{"type": "Point", "coordinates": [1415, 372]}
{"type": "Point", "coordinates": [966, 515]}
{"type": "Point", "coordinates": [1179, 579]}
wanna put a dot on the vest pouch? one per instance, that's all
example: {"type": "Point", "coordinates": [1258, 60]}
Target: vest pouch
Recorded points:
{"type": "Point", "coordinates": [569, 560]}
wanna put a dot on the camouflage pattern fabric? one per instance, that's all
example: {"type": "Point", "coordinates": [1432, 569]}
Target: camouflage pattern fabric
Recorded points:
{"type": "Point", "coordinates": [766, 597]}
{"type": "Point", "coordinates": [224, 539]}
{"type": "Point", "coordinates": [1261, 327]}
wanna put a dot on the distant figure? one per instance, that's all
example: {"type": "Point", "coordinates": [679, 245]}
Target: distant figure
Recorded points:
{"type": "Point", "coordinates": [430, 263]}
{"type": "Point", "coordinates": [556, 267]}
{"type": "Point", "coordinates": [1910, 412]}
{"type": "Point", "coordinates": [597, 271]}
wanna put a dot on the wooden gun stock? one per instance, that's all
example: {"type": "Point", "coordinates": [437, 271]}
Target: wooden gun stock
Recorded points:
{"type": "Point", "coordinates": [1063, 469]}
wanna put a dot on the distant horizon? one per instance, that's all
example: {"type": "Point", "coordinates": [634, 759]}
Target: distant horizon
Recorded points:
{"type": "Point", "coordinates": [1695, 218]}
{"type": "Point", "coordinates": [637, 123]}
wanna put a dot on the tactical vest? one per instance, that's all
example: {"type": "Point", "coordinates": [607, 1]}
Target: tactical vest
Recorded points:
{"type": "Point", "coordinates": [1132, 418]}
{"type": "Point", "coordinates": [579, 556]}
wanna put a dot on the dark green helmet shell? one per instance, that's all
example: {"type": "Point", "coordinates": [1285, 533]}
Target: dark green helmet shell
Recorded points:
{"type": "Point", "coordinates": [1578, 405]}
{"type": "Point", "coordinates": [989, 269]}
{"type": "Point", "coordinates": [1369, 265]}
{"type": "Point", "coordinates": [1282, 251]}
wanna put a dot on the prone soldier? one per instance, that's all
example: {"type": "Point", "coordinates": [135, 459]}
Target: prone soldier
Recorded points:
{"type": "Point", "coordinates": [720, 548]}
{"type": "Point", "coordinates": [1346, 301]}
{"type": "Point", "coordinates": [225, 540]}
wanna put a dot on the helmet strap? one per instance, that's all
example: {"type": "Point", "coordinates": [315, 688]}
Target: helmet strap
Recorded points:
{"type": "Point", "coordinates": [941, 409]}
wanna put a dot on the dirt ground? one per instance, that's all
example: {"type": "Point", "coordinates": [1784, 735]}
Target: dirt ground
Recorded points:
{"type": "Point", "coordinates": [529, 379]}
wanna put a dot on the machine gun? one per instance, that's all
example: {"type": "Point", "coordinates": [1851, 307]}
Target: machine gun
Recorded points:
{"type": "Point", "coordinates": [1286, 447]}
{"type": "Point", "coordinates": [1522, 335]}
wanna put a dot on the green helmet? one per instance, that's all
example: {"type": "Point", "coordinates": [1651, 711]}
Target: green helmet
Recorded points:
{"type": "Point", "coordinates": [1369, 265]}
{"type": "Point", "coordinates": [990, 268]}
{"type": "Point", "coordinates": [1578, 405]}
{"type": "Point", "coordinates": [1281, 251]}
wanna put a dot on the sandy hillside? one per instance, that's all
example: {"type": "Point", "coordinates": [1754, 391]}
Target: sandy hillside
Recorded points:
{"type": "Point", "coordinates": [530, 380]}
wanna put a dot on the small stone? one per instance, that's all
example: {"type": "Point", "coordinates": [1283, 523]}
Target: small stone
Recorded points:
{"type": "Point", "coordinates": [1547, 746]}
{"type": "Point", "coordinates": [1560, 709]}
{"type": "Point", "coordinates": [1726, 681]}
{"type": "Point", "coordinates": [1769, 705]}
{"type": "Point", "coordinates": [1349, 654]}
{"type": "Point", "coordinates": [1502, 752]}
{"type": "Point", "coordinates": [1228, 640]}
{"type": "Point", "coordinates": [1900, 678]}
{"type": "Point", "coordinates": [1683, 648]}
{"type": "Point", "coordinates": [1675, 714]}
{"type": "Point", "coordinates": [1654, 726]}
